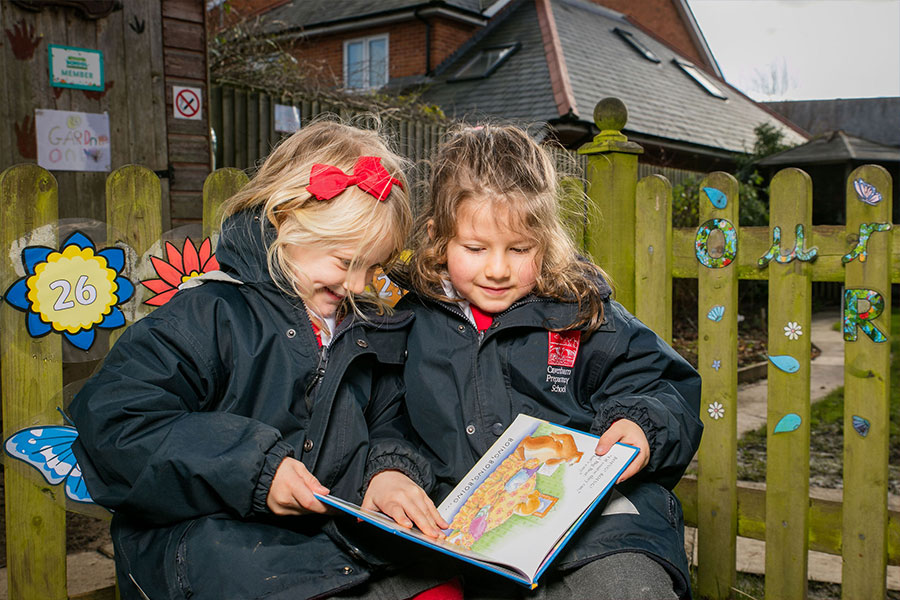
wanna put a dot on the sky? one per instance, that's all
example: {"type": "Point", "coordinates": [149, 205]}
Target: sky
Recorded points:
{"type": "Point", "coordinates": [805, 49]}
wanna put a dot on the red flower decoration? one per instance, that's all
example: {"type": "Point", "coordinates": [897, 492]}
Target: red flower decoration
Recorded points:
{"type": "Point", "coordinates": [184, 265]}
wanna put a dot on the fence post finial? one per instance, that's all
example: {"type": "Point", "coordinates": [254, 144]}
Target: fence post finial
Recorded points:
{"type": "Point", "coordinates": [611, 182]}
{"type": "Point", "coordinates": [610, 117]}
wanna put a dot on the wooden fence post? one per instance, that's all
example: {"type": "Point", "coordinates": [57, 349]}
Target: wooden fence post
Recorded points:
{"type": "Point", "coordinates": [612, 179]}
{"type": "Point", "coordinates": [716, 248]}
{"type": "Point", "coordinates": [867, 361]}
{"type": "Point", "coordinates": [134, 212]}
{"type": "Point", "coordinates": [787, 416]}
{"type": "Point", "coordinates": [32, 379]}
{"type": "Point", "coordinates": [220, 185]}
{"type": "Point", "coordinates": [653, 255]}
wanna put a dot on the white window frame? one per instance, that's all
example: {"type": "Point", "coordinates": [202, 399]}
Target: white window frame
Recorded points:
{"type": "Point", "coordinates": [702, 80]}
{"type": "Point", "coordinates": [365, 71]}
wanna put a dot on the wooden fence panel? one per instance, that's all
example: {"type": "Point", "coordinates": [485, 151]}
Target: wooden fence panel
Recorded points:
{"type": "Point", "coordinates": [867, 361]}
{"type": "Point", "coordinates": [228, 156]}
{"type": "Point", "coordinates": [31, 380]}
{"type": "Point", "coordinates": [716, 247]}
{"type": "Point", "coordinates": [787, 416]}
{"type": "Point", "coordinates": [652, 259]}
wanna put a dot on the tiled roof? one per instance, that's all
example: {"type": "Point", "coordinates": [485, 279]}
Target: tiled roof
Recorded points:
{"type": "Point", "coordinates": [876, 119]}
{"type": "Point", "coordinates": [518, 90]}
{"type": "Point", "coordinates": [662, 100]}
{"type": "Point", "coordinates": [309, 13]}
{"type": "Point", "coordinates": [834, 147]}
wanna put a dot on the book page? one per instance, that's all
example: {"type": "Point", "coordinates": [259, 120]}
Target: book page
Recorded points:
{"type": "Point", "coordinates": [412, 533]}
{"type": "Point", "coordinates": [528, 490]}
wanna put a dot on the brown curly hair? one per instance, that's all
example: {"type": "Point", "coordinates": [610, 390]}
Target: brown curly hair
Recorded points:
{"type": "Point", "coordinates": [503, 165]}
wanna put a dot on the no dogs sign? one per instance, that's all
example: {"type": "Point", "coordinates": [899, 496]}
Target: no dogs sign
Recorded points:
{"type": "Point", "coordinates": [186, 103]}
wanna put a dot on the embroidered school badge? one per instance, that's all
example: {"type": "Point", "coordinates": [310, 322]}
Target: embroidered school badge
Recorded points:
{"type": "Point", "coordinates": [563, 348]}
{"type": "Point", "coordinates": [561, 355]}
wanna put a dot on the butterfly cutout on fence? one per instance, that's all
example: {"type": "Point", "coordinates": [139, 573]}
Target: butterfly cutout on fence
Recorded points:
{"type": "Point", "coordinates": [48, 449]}
{"type": "Point", "coordinates": [866, 192]}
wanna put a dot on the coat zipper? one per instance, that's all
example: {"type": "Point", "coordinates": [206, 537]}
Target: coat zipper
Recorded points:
{"type": "Point", "coordinates": [320, 373]}
{"type": "Point", "coordinates": [323, 359]}
{"type": "Point", "coordinates": [481, 334]}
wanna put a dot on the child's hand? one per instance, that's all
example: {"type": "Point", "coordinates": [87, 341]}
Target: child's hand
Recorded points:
{"type": "Point", "coordinates": [398, 496]}
{"type": "Point", "coordinates": [292, 489]}
{"type": "Point", "coordinates": [627, 432]}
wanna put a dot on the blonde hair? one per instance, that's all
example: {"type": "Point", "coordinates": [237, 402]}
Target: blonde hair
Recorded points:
{"type": "Point", "coordinates": [353, 217]}
{"type": "Point", "coordinates": [503, 165]}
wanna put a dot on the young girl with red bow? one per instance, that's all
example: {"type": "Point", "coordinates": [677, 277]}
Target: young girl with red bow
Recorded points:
{"type": "Point", "coordinates": [510, 319]}
{"type": "Point", "coordinates": [214, 420]}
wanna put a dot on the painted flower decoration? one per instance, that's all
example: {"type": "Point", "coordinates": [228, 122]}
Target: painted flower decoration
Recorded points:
{"type": "Point", "coordinates": [181, 266]}
{"type": "Point", "coordinates": [716, 364]}
{"type": "Point", "coordinates": [716, 410]}
{"type": "Point", "coordinates": [793, 330]}
{"type": "Point", "coordinates": [72, 290]}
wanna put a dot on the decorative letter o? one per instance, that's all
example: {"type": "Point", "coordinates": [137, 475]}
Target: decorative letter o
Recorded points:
{"type": "Point", "coordinates": [700, 243]}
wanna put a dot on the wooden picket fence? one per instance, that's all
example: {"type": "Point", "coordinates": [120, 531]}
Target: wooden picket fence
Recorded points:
{"type": "Point", "coordinates": [627, 229]}
{"type": "Point", "coordinates": [636, 243]}
{"type": "Point", "coordinates": [32, 368]}
{"type": "Point", "coordinates": [244, 127]}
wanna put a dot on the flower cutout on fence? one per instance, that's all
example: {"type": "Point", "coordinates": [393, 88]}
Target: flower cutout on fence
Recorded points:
{"type": "Point", "coordinates": [189, 263]}
{"type": "Point", "coordinates": [716, 410]}
{"type": "Point", "coordinates": [72, 290]}
{"type": "Point", "coordinates": [793, 330]}
{"type": "Point", "coordinates": [717, 364]}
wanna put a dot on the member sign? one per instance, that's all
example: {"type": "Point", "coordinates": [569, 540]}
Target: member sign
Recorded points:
{"type": "Point", "coordinates": [79, 68]}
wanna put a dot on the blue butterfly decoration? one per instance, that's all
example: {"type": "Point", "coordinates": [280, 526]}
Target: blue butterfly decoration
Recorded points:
{"type": "Point", "coordinates": [866, 192]}
{"type": "Point", "coordinates": [48, 449]}
{"type": "Point", "coordinates": [716, 313]}
{"type": "Point", "coordinates": [861, 425]}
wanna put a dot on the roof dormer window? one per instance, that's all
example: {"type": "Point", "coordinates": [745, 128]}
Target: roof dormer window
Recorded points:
{"type": "Point", "coordinates": [698, 76]}
{"type": "Point", "coordinates": [366, 62]}
{"type": "Point", "coordinates": [485, 62]}
{"type": "Point", "coordinates": [637, 44]}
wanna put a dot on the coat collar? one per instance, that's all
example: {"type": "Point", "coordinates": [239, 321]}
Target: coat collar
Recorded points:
{"type": "Point", "coordinates": [530, 311]}
{"type": "Point", "coordinates": [242, 246]}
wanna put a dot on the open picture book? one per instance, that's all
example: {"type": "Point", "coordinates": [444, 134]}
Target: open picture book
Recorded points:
{"type": "Point", "coordinates": [519, 505]}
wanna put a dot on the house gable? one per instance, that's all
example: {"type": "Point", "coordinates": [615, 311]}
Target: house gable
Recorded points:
{"type": "Point", "coordinates": [407, 42]}
{"type": "Point", "coordinates": [671, 21]}
{"type": "Point", "coordinates": [420, 35]}
{"type": "Point", "coordinates": [672, 111]}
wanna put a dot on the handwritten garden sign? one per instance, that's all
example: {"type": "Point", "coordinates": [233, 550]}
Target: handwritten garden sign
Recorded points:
{"type": "Point", "coordinates": [72, 141]}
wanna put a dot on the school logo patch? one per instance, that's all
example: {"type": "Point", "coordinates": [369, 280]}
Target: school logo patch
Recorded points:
{"type": "Point", "coordinates": [563, 348]}
{"type": "Point", "coordinates": [561, 354]}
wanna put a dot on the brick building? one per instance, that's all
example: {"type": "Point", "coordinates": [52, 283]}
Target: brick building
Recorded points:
{"type": "Point", "coordinates": [536, 62]}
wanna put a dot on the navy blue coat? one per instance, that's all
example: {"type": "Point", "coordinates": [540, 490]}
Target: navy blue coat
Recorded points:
{"type": "Point", "coordinates": [465, 388]}
{"type": "Point", "coordinates": [182, 429]}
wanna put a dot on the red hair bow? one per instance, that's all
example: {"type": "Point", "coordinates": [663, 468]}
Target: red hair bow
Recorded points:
{"type": "Point", "coordinates": [326, 181]}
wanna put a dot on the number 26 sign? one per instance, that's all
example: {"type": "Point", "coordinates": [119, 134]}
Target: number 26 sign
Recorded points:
{"type": "Point", "coordinates": [71, 291]}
